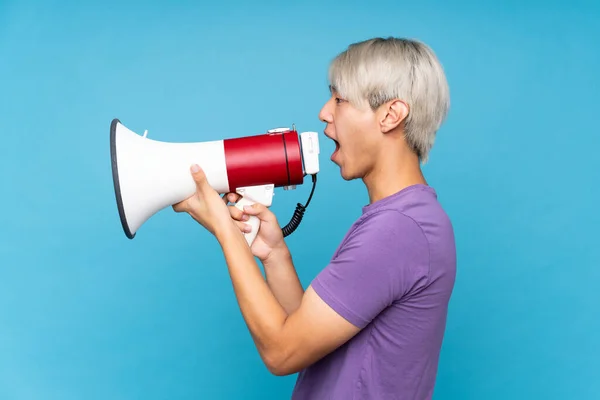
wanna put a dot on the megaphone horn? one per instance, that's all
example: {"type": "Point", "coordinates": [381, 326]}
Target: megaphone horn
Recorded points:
{"type": "Point", "coordinates": [150, 175]}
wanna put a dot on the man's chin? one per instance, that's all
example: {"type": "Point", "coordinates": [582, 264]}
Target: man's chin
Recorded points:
{"type": "Point", "coordinates": [345, 175]}
{"type": "Point", "coordinates": [343, 172]}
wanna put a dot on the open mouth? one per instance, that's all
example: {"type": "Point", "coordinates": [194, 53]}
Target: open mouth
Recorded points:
{"type": "Point", "coordinates": [337, 147]}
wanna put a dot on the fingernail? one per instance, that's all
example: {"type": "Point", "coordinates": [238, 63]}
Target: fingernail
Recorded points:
{"type": "Point", "coordinates": [247, 228]}
{"type": "Point", "coordinates": [195, 168]}
{"type": "Point", "coordinates": [245, 217]}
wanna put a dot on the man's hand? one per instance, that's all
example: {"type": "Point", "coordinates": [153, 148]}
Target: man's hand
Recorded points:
{"type": "Point", "coordinates": [205, 206]}
{"type": "Point", "coordinates": [270, 248]}
{"type": "Point", "coordinates": [269, 239]}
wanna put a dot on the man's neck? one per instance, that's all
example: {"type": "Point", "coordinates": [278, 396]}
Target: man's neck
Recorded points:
{"type": "Point", "coordinates": [390, 176]}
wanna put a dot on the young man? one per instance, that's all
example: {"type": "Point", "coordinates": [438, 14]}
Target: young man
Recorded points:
{"type": "Point", "coordinates": [370, 325]}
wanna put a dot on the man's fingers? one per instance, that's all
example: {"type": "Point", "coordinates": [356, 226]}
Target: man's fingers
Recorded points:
{"type": "Point", "coordinates": [233, 197]}
{"type": "Point", "coordinates": [259, 210]}
{"type": "Point", "coordinates": [244, 227]}
{"type": "Point", "coordinates": [180, 207]}
{"type": "Point", "coordinates": [237, 214]}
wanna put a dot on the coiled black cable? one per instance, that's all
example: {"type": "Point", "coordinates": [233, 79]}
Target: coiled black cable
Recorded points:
{"type": "Point", "coordinates": [299, 212]}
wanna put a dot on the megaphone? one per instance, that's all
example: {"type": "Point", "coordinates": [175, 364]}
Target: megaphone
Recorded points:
{"type": "Point", "coordinates": [150, 175]}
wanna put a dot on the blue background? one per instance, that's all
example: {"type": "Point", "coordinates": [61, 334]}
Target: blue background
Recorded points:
{"type": "Point", "coordinates": [87, 314]}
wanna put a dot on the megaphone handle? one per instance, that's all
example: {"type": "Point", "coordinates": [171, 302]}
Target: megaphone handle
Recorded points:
{"type": "Point", "coordinates": [253, 221]}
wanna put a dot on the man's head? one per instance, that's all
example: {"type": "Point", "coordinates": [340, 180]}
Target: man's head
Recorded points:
{"type": "Point", "coordinates": [387, 95]}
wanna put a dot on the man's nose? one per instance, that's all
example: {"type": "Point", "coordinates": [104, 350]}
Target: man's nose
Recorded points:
{"type": "Point", "coordinates": [325, 115]}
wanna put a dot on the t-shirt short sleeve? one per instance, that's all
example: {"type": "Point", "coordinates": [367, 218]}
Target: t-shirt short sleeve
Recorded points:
{"type": "Point", "coordinates": [382, 258]}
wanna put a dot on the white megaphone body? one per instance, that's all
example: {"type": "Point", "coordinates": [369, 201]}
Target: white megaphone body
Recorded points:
{"type": "Point", "coordinates": [150, 175]}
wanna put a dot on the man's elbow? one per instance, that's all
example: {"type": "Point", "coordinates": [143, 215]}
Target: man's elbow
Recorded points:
{"type": "Point", "coordinates": [280, 364]}
{"type": "Point", "coordinates": [279, 370]}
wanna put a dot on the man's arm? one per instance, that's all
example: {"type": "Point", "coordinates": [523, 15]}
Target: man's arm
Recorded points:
{"type": "Point", "coordinates": [282, 279]}
{"type": "Point", "coordinates": [286, 343]}
{"type": "Point", "coordinates": [366, 277]}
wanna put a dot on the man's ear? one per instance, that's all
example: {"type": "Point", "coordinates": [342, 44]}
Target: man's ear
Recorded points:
{"type": "Point", "coordinates": [393, 114]}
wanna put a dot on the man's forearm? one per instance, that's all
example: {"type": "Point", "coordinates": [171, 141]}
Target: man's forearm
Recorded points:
{"type": "Point", "coordinates": [262, 312]}
{"type": "Point", "coordinates": [283, 279]}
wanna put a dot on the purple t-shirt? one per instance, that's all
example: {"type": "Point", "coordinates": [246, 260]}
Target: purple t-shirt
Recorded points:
{"type": "Point", "coordinates": [392, 276]}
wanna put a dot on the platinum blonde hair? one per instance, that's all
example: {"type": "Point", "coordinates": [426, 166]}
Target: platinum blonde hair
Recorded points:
{"type": "Point", "coordinates": [378, 70]}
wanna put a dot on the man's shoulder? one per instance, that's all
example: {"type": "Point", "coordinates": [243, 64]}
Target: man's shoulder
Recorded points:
{"type": "Point", "coordinates": [391, 251]}
{"type": "Point", "coordinates": [421, 222]}
{"type": "Point", "coordinates": [410, 229]}
{"type": "Point", "coordinates": [386, 231]}
{"type": "Point", "coordinates": [415, 209]}
{"type": "Point", "coordinates": [392, 223]}
{"type": "Point", "coordinates": [389, 237]}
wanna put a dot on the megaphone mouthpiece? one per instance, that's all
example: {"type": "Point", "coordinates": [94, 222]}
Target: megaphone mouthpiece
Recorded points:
{"type": "Point", "coordinates": [150, 175]}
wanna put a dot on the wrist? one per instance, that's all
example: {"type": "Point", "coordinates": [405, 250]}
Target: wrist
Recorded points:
{"type": "Point", "coordinates": [279, 255]}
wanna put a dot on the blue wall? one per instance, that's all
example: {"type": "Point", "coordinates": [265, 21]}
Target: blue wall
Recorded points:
{"type": "Point", "coordinates": [87, 314]}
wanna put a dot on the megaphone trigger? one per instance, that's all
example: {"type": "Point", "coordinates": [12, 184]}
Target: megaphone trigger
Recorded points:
{"type": "Point", "coordinates": [262, 194]}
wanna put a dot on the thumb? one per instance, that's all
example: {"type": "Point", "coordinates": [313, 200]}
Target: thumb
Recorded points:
{"type": "Point", "coordinates": [199, 176]}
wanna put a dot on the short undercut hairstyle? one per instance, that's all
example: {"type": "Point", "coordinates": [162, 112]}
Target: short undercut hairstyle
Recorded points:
{"type": "Point", "coordinates": [375, 71]}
